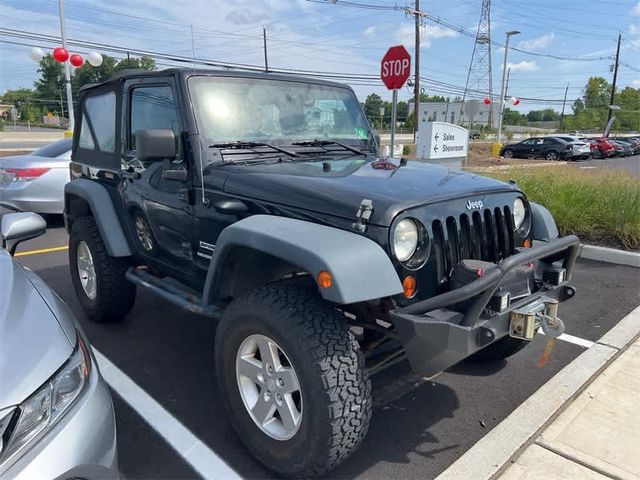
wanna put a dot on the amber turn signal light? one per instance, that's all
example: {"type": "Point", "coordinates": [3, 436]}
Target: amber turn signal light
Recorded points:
{"type": "Point", "coordinates": [325, 280]}
{"type": "Point", "coordinates": [409, 285]}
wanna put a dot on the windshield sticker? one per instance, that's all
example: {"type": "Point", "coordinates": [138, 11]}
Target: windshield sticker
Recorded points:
{"type": "Point", "coordinates": [361, 133]}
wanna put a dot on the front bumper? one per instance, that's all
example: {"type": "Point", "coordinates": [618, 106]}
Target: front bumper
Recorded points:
{"type": "Point", "coordinates": [435, 337]}
{"type": "Point", "coordinates": [81, 445]}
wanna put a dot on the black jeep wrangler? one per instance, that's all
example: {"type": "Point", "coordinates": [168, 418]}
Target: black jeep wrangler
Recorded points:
{"type": "Point", "coordinates": [260, 201]}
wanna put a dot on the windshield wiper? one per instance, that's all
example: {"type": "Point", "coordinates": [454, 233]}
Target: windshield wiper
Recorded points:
{"type": "Point", "coordinates": [322, 143]}
{"type": "Point", "coordinates": [251, 145]}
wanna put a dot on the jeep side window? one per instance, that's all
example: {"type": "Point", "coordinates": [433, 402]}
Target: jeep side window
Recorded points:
{"type": "Point", "coordinates": [153, 107]}
{"type": "Point", "coordinates": [98, 125]}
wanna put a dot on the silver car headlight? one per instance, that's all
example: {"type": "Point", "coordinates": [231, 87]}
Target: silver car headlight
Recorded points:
{"type": "Point", "coordinates": [49, 403]}
{"type": "Point", "coordinates": [519, 213]}
{"type": "Point", "coordinates": [405, 239]}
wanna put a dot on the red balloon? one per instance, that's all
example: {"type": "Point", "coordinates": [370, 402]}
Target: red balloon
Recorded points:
{"type": "Point", "coordinates": [487, 101]}
{"type": "Point", "coordinates": [517, 102]}
{"type": "Point", "coordinates": [60, 54]}
{"type": "Point", "coordinates": [76, 60]}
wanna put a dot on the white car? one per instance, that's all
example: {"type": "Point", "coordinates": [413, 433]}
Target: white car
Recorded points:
{"type": "Point", "coordinates": [35, 182]}
{"type": "Point", "coordinates": [581, 147]}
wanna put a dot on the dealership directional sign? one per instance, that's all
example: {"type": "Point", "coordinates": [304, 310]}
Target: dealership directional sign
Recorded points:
{"type": "Point", "coordinates": [438, 140]}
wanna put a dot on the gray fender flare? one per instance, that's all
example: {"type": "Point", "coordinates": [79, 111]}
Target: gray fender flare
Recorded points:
{"type": "Point", "coordinates": [543, 226]}
{"type": "Point", "coordinates": [360, 268]}
{"type": "Point", "coordinates": [105, 215]}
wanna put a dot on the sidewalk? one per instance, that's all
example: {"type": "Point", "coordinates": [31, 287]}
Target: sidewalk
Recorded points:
{"type": "Point", "coordinates": [584, 423]}
{"type": "Point", "coordinates": [597, 436]}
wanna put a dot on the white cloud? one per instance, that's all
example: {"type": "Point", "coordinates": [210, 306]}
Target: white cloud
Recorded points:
{"type": "Point", "coordinates": [636, 83]}
{"type": "Point", "coordinates": [406, 34]}
{"type": "Point", "coordinates": [245, 16]}
{"type": "Point", "coordinates": [636, 10]}
{"type": "Point", "coordinates": [523, 66]}
{"type": "Point", "coordinates": [538, 43]}
{"type": "Point", "coordinates": [370, 30]}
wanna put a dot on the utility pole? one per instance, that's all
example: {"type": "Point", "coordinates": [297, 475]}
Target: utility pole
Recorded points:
{"type": "Point", "coordinates": [416, 98]}
{"type": "Point", "coordinates": [615, 77]}
{"type": "Point", "coordinates": [67, 68]}
{"type": "Point", "coordinates": [264, 45]}
{"type": "Point", "coordinates": [504, 78]}
{"type": "Point", "coordinates": [564, 102]}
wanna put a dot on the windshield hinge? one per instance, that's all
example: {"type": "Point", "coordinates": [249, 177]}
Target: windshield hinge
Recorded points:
{"type": "Point", "coordinates": [363, 215]}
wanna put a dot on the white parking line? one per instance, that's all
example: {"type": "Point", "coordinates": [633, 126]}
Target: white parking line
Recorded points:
{"type": "Point", "coordinates": [565, 337]}
{"type": "Point", "coordinates": [201, 458]}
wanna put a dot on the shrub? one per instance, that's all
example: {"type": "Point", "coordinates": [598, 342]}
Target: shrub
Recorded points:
{"type": "Point", "coordinates": [600, 206]}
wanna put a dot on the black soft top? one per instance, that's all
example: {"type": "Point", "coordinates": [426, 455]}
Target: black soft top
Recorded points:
{"type": "Point", "coordinates": [183, 73]}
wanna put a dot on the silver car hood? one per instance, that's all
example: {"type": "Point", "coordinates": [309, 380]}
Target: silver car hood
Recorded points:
{"type": "Point", "coordinates": [33, 345]}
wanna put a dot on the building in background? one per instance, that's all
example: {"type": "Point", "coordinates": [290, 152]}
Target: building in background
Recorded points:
{"type": "Point", "coordinates": [453, 112]}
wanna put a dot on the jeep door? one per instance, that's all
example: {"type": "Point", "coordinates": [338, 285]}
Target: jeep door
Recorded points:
{"type": "Point", "coordinates": [159, 211]}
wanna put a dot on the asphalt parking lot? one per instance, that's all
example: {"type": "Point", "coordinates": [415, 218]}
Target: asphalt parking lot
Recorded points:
{"type": "Point", "coordinates": [419, 426]}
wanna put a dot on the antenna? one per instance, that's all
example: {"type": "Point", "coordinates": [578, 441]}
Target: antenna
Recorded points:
{"type": "Point", "coordinates": [480, 75]}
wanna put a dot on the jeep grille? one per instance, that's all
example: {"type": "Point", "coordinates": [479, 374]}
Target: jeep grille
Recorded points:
{"type": "Point", "coordinates": [483, 235]}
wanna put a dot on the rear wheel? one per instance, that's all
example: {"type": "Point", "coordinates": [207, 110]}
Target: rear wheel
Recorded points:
{"type": "Point", "coordinates": [551, 155]}
{"type": "Point", "coordinates": [293, 379]}
{"type": "Point", "coordinates": [98, 279]}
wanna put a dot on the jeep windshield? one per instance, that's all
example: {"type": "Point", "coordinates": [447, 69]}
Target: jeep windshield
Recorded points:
{"type": "Point", "coordinates": [295, 115]}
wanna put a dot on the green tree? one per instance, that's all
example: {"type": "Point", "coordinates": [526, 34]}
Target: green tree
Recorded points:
{"type": "Point", "coordinates": [372, 106]}
{"type": "Point", "coordinates": [51, 81]}
{"type": "Point", "coordinates": [513, 117]}
{"type": "Point", "coordinates": [534, 116]}
{"type": "Point", "coordinates": [89, 74]}
{"type": "Point", "coordinates": [402, 110]}
{"type": "Point", "coordinates": [142, 63]}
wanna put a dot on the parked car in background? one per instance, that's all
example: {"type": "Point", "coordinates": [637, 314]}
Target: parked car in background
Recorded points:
{"type": "Point", "coordinates": [602, 148]}
{"type": "Point", "coordinates": [549, 148]}
{"type": "Point", "coordinates": [623, 149]}
{"type": "Point", "coordinates": [581, 149]}
{"type": "Point", "coordinates": [634, 142]}
{"type": "Point", "coordinates": [56, 414]}
{"type": "Point", "coordinates": [35, 182]}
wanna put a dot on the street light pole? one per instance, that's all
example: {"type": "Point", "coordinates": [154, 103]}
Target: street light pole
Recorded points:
{"type": "Point", "coordinates": [504, 77]}
{"type": "Point", "coordinates": [67, 69]}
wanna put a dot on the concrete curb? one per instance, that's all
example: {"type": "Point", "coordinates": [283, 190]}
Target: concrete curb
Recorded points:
{"type": "Point", "coordinates": [610, 255]}
{"type": "Point", "coordinates": [490, 454]}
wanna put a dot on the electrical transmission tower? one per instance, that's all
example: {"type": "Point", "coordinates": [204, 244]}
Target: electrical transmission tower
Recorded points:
{"type": "Point", "coordinates": [480, 77]}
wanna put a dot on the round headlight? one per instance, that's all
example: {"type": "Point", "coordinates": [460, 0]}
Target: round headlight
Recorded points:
{"type": "Point", "coordinates": [405, 239]}
{"type": "Point", "coordinates": [519, 213]}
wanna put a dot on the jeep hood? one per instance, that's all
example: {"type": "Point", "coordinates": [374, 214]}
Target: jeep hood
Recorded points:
{"type": "Point", "coordinates": [336, 187]}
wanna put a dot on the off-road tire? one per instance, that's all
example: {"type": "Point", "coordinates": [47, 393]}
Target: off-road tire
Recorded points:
{"type": "Point", "coordinates": [115, 295]}
{"type": "Point", "coordinates": [335, 388]}
{"type": "Point", "coordinates": [499, 350]}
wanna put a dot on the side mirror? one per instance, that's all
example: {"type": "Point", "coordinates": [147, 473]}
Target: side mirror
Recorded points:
{"type": "Point", "coordinates": [155, 144]}
{"type": "Point", "coordinates": [17, 227]}
{"type": "Point", "coordinates": [170, 171]}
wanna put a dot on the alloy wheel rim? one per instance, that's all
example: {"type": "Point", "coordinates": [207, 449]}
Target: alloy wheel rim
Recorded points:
{"type": "Point", "coordinates": [269, 387]}
{"type": "Point", "coordinates": [142, 231]}
{"type": "Point", "coordinates": [86, 270]}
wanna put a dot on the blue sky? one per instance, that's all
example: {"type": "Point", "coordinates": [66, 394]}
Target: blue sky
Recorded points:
{"type": "Point", "coordinates": [324, 37]}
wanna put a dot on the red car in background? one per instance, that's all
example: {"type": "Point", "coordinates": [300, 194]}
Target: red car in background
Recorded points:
{"type": "Point", "coordinates": [602, 148]}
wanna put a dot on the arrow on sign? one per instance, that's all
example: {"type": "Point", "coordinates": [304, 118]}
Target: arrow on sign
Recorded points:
{"type": "Point", "coordinates": [435, 148]}
{"type": "Point", "coordinates": [437, 137]}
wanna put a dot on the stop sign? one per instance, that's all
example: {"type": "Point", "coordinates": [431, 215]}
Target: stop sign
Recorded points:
{"type": "Point", "coordinates": [395, 67]}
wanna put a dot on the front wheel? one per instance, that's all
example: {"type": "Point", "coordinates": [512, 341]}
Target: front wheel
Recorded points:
{"type": "Point", "coordinates": [293, 379]}
{"type": "Point", "coordinates": [98, 279]}
{"type": "Point", "coordinates": [507, 153]}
